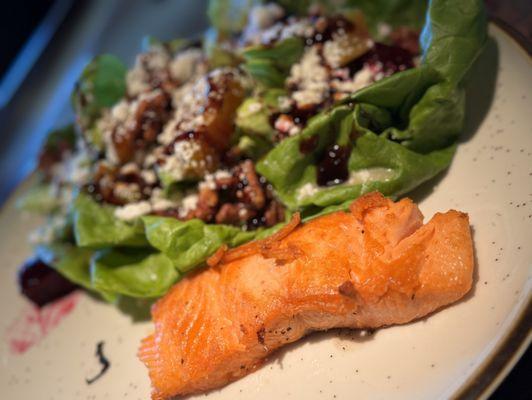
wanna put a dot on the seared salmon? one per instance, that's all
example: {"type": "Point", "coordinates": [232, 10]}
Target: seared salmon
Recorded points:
{"type": "Point", "coordinates": [374, 266]}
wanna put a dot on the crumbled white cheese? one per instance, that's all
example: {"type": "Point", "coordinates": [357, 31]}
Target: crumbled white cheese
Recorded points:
{"type": "Point", "coordinates": [151, 158]}
{"type": "Point", "coordinates": [285, 103]}
{"type": "Point", "coordinates": [307, 190]}
{"type": "Point", "coordinates": [294, 130]}
{"type": "Point", "coordinates": [75, 168]}
{"type": "Point", "coordinates": [209, 181]}
{"type": "Point", "coordinates": [302, 28]}
{"type": "Point", "coordinates": [133, 210]}
{"type": "Point", "coordinates": [362, 78]}
{"type": "Point", "coordinates": [370, 174]}
{"type": "Point", "coordinates": [264, 16]}
{"type": "Point", "coordinates": [269, 35]}
{"type": "Point", "coordinates": [181, 160]}
{"type": "Point", "coordinates": [261, 17]}
{"type": "Point", "coordinates": [189, 203]}
{"type": "Point", "coordinates": [334, 50]}
{"type": "Point", "coordinates": [149, 176]}
{"type": "Point", "coordinates": [280, 31]}
{"type": "Point", "coordinates": [311, 78]}
{"type": "Point", "coordinates": [186, 64]}
{"type": "Point", "coordinates": [115, 122]}
{"type": "Point", "coordinates": [129, 192]}
{"type": "Point", "coordinates": [161, 203]}
{"type": "Point", "coordinates": [129, 168]}
{"type": "Point", "coordinates": [154, 62]}
{"type": "Point", "coordinates": [188, 102]}
{"type": "Point", "coordinates": [254, 107]}
{"type": "Point", "coordinates": [343, 48]}
{"type": "Point", "coordinates": [383, 30]}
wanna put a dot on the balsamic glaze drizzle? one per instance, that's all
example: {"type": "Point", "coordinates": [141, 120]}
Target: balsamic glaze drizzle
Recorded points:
{"type": "Point", "coordinates": [102, 360]}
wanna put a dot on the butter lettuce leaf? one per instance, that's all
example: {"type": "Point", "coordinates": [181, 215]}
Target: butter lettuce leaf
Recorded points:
{"type": "Point", "coordinates": [95, 226]}
{"type": "Point", "coordinates": [101, 84]}
{"type": "Point", "coordinates": [375, 162]}
{"type": "Point", "coordinates": [229, 16]}
{"type": "Point", "coordinates": [39, 199]}
{"type": "Point", "coordinates": [74, 264]}
{"type": "Point", "coordinates": [189, 243]}
{"type": "Point", "coordinates": [435, 121]}
{"type": "Point", "coordinates": [136, 273]}
{"type": "Point", "coordinates": [253, 115]}
{"type": "Point", "coordinates": [453, 36]}
{"type": "Point", "coordinates": [270, 65]}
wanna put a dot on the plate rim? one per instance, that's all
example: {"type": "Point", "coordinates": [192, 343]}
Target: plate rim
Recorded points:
{"type": "Point", "coordinates": [486, 377]}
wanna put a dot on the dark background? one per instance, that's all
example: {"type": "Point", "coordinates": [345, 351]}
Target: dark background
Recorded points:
{"type": "Point", "coordinates": [29, 29]}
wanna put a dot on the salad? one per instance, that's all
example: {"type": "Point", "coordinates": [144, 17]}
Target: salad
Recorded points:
{"type": "Point", "coordinates": [279, 108]}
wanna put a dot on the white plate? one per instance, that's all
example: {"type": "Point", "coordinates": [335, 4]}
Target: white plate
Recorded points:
{"type": "Point", "coordinates": [437, 357]}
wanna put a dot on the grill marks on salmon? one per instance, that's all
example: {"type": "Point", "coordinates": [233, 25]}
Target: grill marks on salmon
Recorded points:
{"type": "Point", "coordinates": [374, 266]}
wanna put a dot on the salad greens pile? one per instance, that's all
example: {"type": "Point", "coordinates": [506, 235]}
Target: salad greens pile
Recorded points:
{"type": "Point", "coordinates": [400, 131]}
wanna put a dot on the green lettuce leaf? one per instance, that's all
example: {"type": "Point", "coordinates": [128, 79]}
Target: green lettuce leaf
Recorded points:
{"type": "Point", "coordinates": [60, 140]}
{"type": "Point", "coordinates": [101, 85]}
{"type": "Point", "coordinates": [189, 243]}
{"type": "Point", "coordinates": [132, 272]}
{"type": "Point", "coordinates": [270, 65]}
{"type": "Point", "coordinates": [95, 226]}
{"type": "Point", "coordinates": [453, 36]}
{"type": "Point", "coordinates": [399, 92]}
{"type": "Point", "coordinates": [253, 115]}
{"type": "Point", "coordinates": [375, 163]}
{"type": "Point", "coordinates": [39, 199]}
{"type": "Point", "coordinates": [73, 263]}
{"type": "Point", "coordinates": [229, 16]}
{"type": "Point", "coordinates": [435, 121]}
{"type": "Point", "coordinates": [254, 130]}
{"type": "Point", "coordinates": [218, 54]}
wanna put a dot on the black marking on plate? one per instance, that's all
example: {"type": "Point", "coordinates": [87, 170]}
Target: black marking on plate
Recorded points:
{"type": "Point", "coordinates": [102, 360]}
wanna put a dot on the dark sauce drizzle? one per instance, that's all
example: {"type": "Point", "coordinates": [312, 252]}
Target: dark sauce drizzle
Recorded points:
{"type": "Point", "coordinates": [308, 145]}
{"type": "Point", "coordinates": [332, 168]}
{"type": "Point", "coordinates": [102, 360]}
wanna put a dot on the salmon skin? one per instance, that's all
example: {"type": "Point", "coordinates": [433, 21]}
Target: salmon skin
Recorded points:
{"type": "Point", "coordinates": [374, 266]}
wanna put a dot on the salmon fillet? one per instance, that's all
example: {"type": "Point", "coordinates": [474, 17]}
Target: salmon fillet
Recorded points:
{"type": "Point", "coordinates": [374, 266]}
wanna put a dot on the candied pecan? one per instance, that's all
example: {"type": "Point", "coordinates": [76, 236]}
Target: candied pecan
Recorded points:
{"type": "Point", "coordinates": [226, 182]}
{"type": "Point", "coordinates": [273, 214]}
{"type": "Point", "coordinates": [207, 202]}
{"type": "Point", "coordinates": [253, 189]}
{"type": "Point", "coordinates": [152, 112]}
{"type": "Point", "coordinates": [118, 185]}
{"type": "Point", "coordinates": [233, 214]}
{"type": "Point", "coordinates": [228, 214]}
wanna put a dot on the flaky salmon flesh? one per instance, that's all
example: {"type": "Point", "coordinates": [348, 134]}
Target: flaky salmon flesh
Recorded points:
{"type": "Point", "coordinates": [374, 266]}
